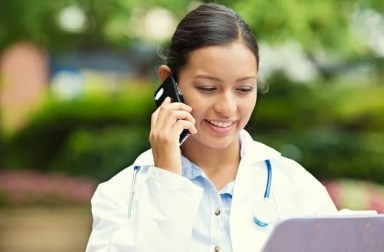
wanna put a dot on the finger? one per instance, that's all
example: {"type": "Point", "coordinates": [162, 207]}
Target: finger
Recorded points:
{"type": "Point", "coordinates": [167, 100]}
{"type": "Point", "coordinates": [171, 133]}
{"type": "Point", "coordinates": [168, 115]}
{"type": "Point", "coordinates": [179, 115]}
{"type": "Point", "coordinates": [154, 117]}
{"type": "Point", "coordinates": [181, 125]}
{"type": "Point", "coordinates": [177, 106]}
{"type": "Point", "coordinates": [167, 119]}
{"type": "Point", "coordinates": [155, 114]}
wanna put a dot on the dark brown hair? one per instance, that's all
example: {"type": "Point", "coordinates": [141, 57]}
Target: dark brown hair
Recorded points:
{"type": "Point", "coordinates": [208, 25]}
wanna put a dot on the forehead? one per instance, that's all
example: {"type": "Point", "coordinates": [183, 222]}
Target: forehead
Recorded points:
{"type": "Point", "coordinates": [233, 58]}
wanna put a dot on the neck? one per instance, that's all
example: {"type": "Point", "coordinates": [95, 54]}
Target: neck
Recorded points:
{"type": "Point", "coordinates": [220, 165]}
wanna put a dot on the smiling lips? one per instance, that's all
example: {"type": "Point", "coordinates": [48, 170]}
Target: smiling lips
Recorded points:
{"type": "Point", "coordinates": [220, 126]}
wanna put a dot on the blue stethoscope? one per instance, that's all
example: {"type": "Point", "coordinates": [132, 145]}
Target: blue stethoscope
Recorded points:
{"type": "Point", "coordinates": [264, 213]}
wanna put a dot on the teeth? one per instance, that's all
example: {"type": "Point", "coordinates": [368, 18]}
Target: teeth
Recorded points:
{"type": "Point", "coordinates": [221, 124]}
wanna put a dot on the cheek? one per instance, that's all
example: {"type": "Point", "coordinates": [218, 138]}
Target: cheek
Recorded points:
{"type": "Point", "coordinates": [248, 107]}
{"type": "Point", "coordinates": [198, 104]}
{"type": "Point", "coordinates": [198, 108]}
{"type": "Point", "coordinates": [202, 105]}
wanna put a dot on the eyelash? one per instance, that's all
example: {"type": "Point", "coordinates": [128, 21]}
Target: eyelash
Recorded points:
{"type": "Point", "coordinates": [209, 90]}
{"type": "Point", "coordinates": [245, 90]}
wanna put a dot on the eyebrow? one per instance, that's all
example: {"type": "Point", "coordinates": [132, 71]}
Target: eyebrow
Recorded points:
{"type": "Point", "coordinates": [209, 77]}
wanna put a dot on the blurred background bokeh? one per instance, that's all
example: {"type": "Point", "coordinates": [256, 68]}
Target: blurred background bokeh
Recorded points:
{"type": "Point", "coordinates": [76, 85]}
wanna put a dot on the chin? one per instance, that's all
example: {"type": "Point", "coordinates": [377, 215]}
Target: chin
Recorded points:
{"type": "Point", "coordinates": [216, 142]}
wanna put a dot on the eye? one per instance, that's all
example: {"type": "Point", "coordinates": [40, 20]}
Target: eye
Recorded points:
{"type": "Point", "coordinates": [245, 90]}
{"type": "Point", "coordinates": [207, 89]}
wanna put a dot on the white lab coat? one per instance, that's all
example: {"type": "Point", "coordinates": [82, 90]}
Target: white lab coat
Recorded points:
{"type": "Point", "coordinates": [165, 204]}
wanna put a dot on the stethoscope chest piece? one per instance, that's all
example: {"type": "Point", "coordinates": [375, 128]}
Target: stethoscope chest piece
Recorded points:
{"type": "Point", "coordinates": [264, 212]}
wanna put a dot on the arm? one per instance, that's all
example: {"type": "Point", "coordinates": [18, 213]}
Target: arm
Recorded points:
{"type": "Point", "coordinates": [163, 213]}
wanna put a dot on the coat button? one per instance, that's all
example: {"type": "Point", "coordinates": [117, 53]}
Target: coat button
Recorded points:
{"type": "Point", "coordinates": [217, 249]}
{"type": "Point", "coordinates": [217, 212]}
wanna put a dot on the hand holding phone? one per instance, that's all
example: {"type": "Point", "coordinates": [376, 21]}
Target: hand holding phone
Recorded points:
{"type": "Point", "coordinates": [170, 89]}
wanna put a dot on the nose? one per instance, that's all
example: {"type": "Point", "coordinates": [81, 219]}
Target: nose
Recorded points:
{"type": "Point", "coordinates": [226, 104]}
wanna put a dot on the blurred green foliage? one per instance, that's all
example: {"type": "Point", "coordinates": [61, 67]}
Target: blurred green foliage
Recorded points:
{"type": "Point", "coordinates": [315, 24]}
{"type": "Point", "coordinates": [91, 135]}
{"type": "Point", "coordinates": [100, 153]}
{"type": "Point", "coordinates": [107, 22]}
{"type": "Point", "coordinates": [335, 132]}
{"type": "Point", "coordinates": [334, 128]}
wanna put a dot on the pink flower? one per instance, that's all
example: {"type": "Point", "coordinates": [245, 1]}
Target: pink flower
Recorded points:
{"type": "Point", "coordinates": [356, 195]}
{"type": "Point", "coordinates": [26, 188]}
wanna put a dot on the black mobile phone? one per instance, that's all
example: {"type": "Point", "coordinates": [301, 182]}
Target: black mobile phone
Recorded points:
{"type": "Point", "coordinates": [170, 89]}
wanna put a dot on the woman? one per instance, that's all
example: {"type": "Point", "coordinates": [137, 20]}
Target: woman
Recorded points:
{"type": "Point", "coordinates": [215, 192]}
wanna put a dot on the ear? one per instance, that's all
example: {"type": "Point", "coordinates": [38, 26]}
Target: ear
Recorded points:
{"type": "Point", "coordinates": [164, 72]}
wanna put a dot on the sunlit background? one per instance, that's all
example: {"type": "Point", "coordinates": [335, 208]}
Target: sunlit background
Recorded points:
{"type": "Point", "coordinates": [77, 79]}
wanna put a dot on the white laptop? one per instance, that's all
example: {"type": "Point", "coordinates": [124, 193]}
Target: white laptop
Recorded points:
{"type": "Point", "coordinates": [334, 234]}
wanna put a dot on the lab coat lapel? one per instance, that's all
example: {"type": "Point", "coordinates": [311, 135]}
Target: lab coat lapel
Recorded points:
{"type": "Point", "coordinates": [251, 174]}
{"type": "Point", "coordinates": [249, 189]}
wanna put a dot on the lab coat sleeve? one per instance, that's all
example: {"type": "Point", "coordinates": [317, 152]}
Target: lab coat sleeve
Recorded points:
{"type": "Point", "coordinates": [164, 210]}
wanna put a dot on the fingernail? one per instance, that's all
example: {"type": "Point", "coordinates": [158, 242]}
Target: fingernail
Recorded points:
{"type": "Point", "coordinates": [167, 99]}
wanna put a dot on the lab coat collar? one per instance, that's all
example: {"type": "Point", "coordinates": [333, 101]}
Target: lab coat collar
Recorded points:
{"type": "Point", "coordinates": [190, 171]}
{"type": "Point", "coordinates": [250, 174]}
{"type": "Point", "coordinates": [251, 151]}
{"type": "Point", "coordinates": [145, 159]}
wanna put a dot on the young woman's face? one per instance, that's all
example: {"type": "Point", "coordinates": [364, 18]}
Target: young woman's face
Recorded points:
{"type": "Point", "coordinates": [219, 83]}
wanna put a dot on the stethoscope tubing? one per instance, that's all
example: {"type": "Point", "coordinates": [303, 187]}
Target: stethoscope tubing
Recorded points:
{"type": "Point", "coordinates": [269, 179]}
{"type": "Point", "coordinates": [136, 168]}
{"type": "Point", "coordinates": [265, 204]}
{"type": "Point", "coordinates": [257, 220]}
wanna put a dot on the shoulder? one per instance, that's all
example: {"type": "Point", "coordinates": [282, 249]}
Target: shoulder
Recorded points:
{"type": "Point", "coordinates": [143, 160]}
{"type": "Point", "coordinates": [297, 188]}
{"type": "Point", "coordinates": [287, 171]}
{"type": "Point", "coordinates": [290, 171]}
{"type": "Point", "coordinates": [298, 191]}
{"type": "Point", "coordinates": [119, 184]}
